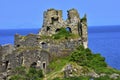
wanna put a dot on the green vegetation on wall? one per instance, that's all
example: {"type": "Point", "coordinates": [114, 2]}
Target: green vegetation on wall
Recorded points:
{"type": "Point", "coordinates": [63, 34]}
{"type": "Point", "coordinates": [21, 73]}
{"type": "Point", "coordinates": [84, 19]}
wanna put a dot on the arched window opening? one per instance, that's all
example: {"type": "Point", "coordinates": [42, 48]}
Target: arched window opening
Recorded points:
{"type": "Point", "coordinates": [44, 45]}
{"type": "Point", "coordinates": [48, 28]}
{"type": "Point", "coordinates": [57, 30]}
{"type": "Point", "coordinates": [68, 29]}
{"type": "Point", "coordinates": [33, 65]}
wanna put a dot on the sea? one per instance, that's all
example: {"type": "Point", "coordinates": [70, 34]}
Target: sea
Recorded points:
{"type": "Point", "coordinates": [101, 39]}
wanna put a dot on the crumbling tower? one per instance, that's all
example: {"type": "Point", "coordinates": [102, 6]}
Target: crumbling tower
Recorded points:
{"type": "Point", "coordinates": [53, 22]}
{"type": "Point", "coordinates": [84, 31]}
{"type": "Point", "coordinates": [73, 20]}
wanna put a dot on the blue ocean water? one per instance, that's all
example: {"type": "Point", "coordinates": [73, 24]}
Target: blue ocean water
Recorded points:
{"type": "Point", "coordinates": [7, 35]}
{"type": "Point", "coordinates": [102, 39]}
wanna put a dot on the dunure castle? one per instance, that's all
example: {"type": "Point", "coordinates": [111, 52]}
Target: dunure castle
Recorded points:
{"type": "Point", "coordinates": [37, 50]}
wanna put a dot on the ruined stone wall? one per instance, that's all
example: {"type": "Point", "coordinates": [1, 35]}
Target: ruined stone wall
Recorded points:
{"type": "Point", "coordinates": [54, 47]}
{"type": "Point", "coordinates": [22, 56]}
{"type": "Point", "coordinates": [84, 31]}
{"type": "Point", "coordinates": [53, 21]}
{"type": "Point", "coordinates": [34, 51]}
{"type": "Point", "coordinates": [51, 16]}
{"type": "Point", "coordinates": [0, 57]}
{"type": "Point", "coordinates": [29, 40]}
{"type": "Point", "coordinates": [4, 63]}
{"type": "Point", "coordinates": [73, 20]}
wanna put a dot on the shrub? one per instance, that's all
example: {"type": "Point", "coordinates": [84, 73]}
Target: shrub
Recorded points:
{"type": "Point", "coordinates": [84, 57]}
{"type": "Point", "coordinates": [62, 34]}
{"type": "Point", "coordinates": [19, 70]}
{"type": "Point", "coordinates": [74, 78]}
{"type": "Point", "coordinates": [58, 64]}
{"type": "Point", "coordinates": [21, 73]}
{"type": "Point", "coordinates": [34, 74]}
{"type": "Point", "coordinates": [17, 77]}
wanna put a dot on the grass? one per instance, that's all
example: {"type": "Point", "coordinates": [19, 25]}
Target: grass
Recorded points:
{"type": "Point", "coordinates": [62, 34]}
{"type": "Point", "coordinates": [84, 57]}
{"type": "Point", "coordinates": [22, 73]}
{"type": "Point", "coordinates": [84, 61]}
{"type": "Point", "coordinates": [107, 70]}
{"type": "Point", "coordinates": [58, 64]}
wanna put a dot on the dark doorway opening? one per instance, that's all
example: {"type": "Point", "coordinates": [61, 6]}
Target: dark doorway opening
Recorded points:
{"type": "Point", "coordinates": [18, 45]}
{"type": "Point", "coordinates": [6, 64]}
{"type": "Point", "coordinates": [44, 65]}
{"type": "Point", "coordinates": [33, 65]}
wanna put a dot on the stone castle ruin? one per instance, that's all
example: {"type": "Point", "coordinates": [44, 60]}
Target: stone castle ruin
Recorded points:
{"type": "Point", "coordinates": [36, 50]}
{"type": "Point", "coordinates": [53, 22]}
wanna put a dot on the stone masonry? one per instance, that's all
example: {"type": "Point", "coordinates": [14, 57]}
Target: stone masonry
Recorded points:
{"type": "Point", "coordinates": [33, 50]}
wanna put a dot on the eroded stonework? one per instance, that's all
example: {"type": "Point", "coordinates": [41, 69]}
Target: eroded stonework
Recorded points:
{"type": "Point", "coordinates": [35, 51]}
{"type": "Point", "coordinates": [53, 22]}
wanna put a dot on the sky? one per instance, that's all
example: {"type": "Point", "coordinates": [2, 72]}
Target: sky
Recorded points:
{"type": "Point", "coordinates": [29, 13]}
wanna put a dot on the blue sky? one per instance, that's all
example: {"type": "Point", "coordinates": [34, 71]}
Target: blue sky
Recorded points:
{"type": "Point", "coordinates": [29, 13]}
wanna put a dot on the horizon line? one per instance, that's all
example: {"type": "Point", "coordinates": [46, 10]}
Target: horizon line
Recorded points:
{"type": "Point", "coordinates": [41, 27]}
